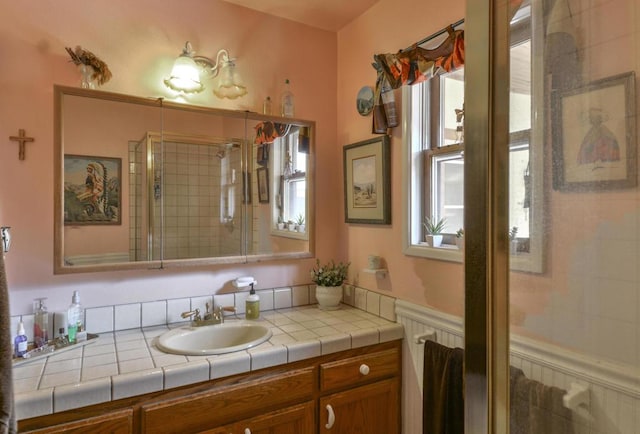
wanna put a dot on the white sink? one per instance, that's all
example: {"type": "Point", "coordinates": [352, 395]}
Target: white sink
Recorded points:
{"type": "Point", "coordinates": [213, 339]}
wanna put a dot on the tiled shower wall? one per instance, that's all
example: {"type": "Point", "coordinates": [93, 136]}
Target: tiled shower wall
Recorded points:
{"type": "Point", "coordinates": [199, 194]}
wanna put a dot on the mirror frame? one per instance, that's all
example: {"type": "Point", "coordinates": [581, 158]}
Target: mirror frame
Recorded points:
{"type": "Point", "coordinates": [59, 266]}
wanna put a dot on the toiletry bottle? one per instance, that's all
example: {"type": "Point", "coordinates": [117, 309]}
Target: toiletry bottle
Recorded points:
{"type": "Point", "coordinates": [74, 318]}
{"type": "Point", "coordinates": [287, 101]}
{"type": "Point", "coordinates": [20, 341]}
{"type": "Point", "coordinates": [40, 323]}
{"type": "Point", "coordinates": [252, 305]}
{"type": "Point", "coordinates": [266, 107]}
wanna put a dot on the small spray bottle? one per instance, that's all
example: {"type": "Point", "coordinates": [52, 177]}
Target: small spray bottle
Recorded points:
{"type": "Point", "coordinates": [252, 304]}
{"type": "Point", "coordinates": [20, 341]}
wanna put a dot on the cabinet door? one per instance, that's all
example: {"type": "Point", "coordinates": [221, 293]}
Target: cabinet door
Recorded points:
{"type": "Point", "coordinates": [118, 422]}
{"type": "Point", "coordinates": [297, 419]}
{"type": "Point", "coordinates": [372, 409]}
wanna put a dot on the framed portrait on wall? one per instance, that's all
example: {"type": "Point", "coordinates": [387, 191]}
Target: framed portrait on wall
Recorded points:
{"type": "Point", "coordinates": [92, 190]}
{"type": "Point", "coordinates": [367, 183]}
{"type": "Point", "coordinates": [594, 135]}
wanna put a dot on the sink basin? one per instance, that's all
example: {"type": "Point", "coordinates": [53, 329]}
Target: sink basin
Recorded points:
{"type": "Point", "coordinates": [213, 339]}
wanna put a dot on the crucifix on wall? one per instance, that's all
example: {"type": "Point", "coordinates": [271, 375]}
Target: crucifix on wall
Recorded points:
{"type": "Point", "coordinates": [22, 139]}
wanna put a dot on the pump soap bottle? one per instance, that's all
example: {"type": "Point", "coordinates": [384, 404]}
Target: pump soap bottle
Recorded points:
{"type": "Point", "coordinates": [252, 304]}
{"type": "Point", "coordinates": [74, 319]}
{"type": "Point", "coordinates": [20, 341]}
{"type": "Point", "coordinates": [40, 323]}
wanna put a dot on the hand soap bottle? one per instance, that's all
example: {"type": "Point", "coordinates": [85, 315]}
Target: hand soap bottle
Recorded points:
{"type": "Point", "coordinates": [40, 323]}
{"type": "Point", "coordinates": [20, 341]}
{"type": "Point", "coordinates": [252, 305]}
{"type": "Point", "coordinates": [74, 318]}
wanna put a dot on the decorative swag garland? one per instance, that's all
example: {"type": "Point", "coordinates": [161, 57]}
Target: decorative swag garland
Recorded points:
{"type": "Point", "coordinates": [414, 65]}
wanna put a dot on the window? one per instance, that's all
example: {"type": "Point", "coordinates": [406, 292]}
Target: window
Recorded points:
{"type": "Point", "coordinates": [434, 156]}
{"type": "Point", "coordinates": [290, 182]}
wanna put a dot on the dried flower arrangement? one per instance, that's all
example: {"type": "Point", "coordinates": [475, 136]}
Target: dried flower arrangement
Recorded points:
{"type": "Point", "coordinates": [79, 56]}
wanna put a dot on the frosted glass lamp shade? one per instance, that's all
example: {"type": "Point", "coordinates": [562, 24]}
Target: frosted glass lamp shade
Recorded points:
{"type": "Point", "coordinates": [185, 76]}
{"type": "Point", "coordinates": [228, 83]}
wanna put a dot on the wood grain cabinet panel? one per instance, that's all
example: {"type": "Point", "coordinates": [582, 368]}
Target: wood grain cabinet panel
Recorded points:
{"type": "Point", "coordinates": [297, 419]}
{"type": "Point", "coordinates": [118, 422]}
{"type": "Point", "coordinates": [358, 370]}
{"type": "Point", "coordinates": [222, 405]}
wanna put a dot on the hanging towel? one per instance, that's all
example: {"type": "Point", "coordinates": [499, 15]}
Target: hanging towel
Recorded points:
{"type": "Point", "coordinates": [536, 408]}
{"type": "Point", "coordinates": [443, 403]}
{"type": "Point", "coordinates": [7, 410]}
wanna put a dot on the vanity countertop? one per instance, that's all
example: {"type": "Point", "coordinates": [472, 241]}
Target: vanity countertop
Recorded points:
{"type": "Point", "coordinates": [126, 363]}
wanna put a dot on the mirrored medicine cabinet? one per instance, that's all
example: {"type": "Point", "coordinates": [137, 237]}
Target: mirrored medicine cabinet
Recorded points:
{"type": "Point", "coordinates": [142, 183]}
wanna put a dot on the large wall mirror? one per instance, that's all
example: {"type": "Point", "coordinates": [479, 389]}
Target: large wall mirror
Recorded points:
{"type": "Point", "coordinates": [143, 183]}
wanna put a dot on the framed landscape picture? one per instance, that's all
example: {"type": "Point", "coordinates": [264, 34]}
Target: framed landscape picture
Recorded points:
{"type": "Point", "coordinates": [367, 183]}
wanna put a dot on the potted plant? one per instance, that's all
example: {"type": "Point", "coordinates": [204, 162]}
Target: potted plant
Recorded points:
{"type": "Point", "coordinates": [291, 225]}
{"type": "Point", "coordinates": [460, 238]}
{"type": "Point", "coordinates": [434, 230]}
{"type": "Point", "coordinates": [280, 223]}
{"type": "Point", "coordinates": [329, 279]}
{"type": "Point", "coordinates": [300, 222]}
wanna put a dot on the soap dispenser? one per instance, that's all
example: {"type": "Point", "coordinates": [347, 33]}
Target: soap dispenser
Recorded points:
{"type": "Point", "coordinates": [252, 304]}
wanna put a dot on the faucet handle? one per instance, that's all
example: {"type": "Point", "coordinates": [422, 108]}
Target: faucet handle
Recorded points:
{"type": "Point", "coordinates": [192, 313]}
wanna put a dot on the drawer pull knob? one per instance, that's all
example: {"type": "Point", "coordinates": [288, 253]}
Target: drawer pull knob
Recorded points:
{"type": "Point", "coordinates": [332, 417]}
{"type": "Point", "coordinates": [364, 369]}
{"type": "Point", "coordinates": [247, 431]}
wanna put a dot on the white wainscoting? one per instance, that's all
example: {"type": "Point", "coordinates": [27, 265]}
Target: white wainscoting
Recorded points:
{"type": "Point", "coordinates": [614, 389]}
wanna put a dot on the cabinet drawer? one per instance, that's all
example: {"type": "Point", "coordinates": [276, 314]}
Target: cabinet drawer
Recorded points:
{"type": "Point", "coordinates": [223, 405]}
{"type": "Point", "coordinates": [360, 369]}
{"type": "Point", "coordinates": [118, 422]}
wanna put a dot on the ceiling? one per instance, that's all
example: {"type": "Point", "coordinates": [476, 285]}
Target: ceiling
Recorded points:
{"type": "Point", "coordinates": [325, 14]}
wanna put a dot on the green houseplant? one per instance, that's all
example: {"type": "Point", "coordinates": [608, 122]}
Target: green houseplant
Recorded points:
{"type": "Point", "coordinates": [460, 238]}
{"type": "Point", "coordinates": [300, 222]}
{"type": "Point", "coordinates": [329, 279]}
{"type": "Point", "coordinates": [434, 229]}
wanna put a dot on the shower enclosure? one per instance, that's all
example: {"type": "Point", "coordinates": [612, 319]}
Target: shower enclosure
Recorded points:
{"type": "Point", "coordinates": [186, 196]}
{"type": "Point", "coordinates": [574, 324]}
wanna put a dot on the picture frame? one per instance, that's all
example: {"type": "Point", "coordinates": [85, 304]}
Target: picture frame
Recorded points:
{"type": "Point", "coordinates": [367, 181]}
{"type": "Point", "coordinates": [262, 174]}
{"type": "Point", "coordinates": [92, 190]}
{"type": "Point", "coordinates": [594, 135]}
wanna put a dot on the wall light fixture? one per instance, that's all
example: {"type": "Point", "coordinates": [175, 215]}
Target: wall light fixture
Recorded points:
{"type": "Point", "coordinates": [188, 69]}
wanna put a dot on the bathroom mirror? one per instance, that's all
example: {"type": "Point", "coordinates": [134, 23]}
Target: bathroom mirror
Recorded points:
{"type": "Point", "coordinates": [143, 183]}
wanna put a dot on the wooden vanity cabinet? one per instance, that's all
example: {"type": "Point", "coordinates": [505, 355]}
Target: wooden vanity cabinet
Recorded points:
{"type": "Point", "coordinates": [361, 387]}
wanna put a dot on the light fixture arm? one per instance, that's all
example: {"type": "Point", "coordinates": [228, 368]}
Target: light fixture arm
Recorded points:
{"type": "Point", "coordinates": [213, 67]}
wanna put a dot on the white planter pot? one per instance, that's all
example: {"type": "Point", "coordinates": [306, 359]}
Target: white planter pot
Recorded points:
{"type": "Point", "coordinates": [460, 243]}
{"type": "Point", "coordinates": [301, 228]}
{"type": "Point", "coordinates": [329, 297]}
{"type": "Point", "coordinates": [433, 240]}
{"type": "Point", "coordinates": [280, 226]}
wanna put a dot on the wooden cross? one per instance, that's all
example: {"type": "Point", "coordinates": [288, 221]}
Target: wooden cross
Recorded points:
{"type": "Point", "coordinates": [22, 139]}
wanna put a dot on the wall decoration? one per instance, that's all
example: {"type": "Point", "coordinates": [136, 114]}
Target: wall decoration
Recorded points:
{"type": "Point", "coordinates": [594, 135]}
{"type": "Point", "coordinates": [367, 182]}
{"type": "Point", "coordinates": [364, 101]}
{"type": "Point", "coordinates": [92, 190]}
{"type": "Point", "coordinates": [263, 184]}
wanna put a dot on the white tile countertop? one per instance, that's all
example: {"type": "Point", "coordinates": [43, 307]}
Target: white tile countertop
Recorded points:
{"type": "Point", "coordinates": [126, 363]}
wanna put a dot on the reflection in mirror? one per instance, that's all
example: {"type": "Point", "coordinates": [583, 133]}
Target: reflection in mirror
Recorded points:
{"type": "Point", "coordinates": [142, 183]}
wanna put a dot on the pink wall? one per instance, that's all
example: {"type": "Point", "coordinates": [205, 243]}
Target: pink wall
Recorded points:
{"type": "Point", "coordinates": [387, 27]}
{"type": "Point", "coordinates": [139, 41]}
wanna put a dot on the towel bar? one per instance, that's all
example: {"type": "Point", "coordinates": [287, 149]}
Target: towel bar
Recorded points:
{"type": "Point", "coordinates": [427, 335]}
